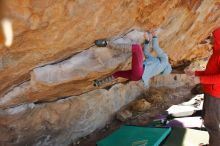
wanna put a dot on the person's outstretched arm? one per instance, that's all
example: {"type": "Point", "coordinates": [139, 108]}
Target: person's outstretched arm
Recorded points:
{"type": "Point", "coordinates": [210, 79]}
{"type": "Point", "coordinates": [160, 53]}
{"type": "Point", "coordinates": [156, 47]}
{"type": "Point", "coordinates": [146, 49]}
{"type": "Point", "coordinates": [162, 56]}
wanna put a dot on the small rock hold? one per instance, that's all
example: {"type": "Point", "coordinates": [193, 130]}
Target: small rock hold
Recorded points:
{"type": "Point", "coordinates": [141, 105]}
{"type": "Point", "coordinates": [123, 115]}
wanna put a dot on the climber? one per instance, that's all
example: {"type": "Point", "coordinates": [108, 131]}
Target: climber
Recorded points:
{"type": "Point", "coordinates": [210, 80]}
{"type": "Point", "coordinates": [141, 69]}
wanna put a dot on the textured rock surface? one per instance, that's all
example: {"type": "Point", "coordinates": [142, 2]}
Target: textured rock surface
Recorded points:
{"type": "Point", "coordinates": [53, 57]}
{"type": "Point", "coordinates": [50, 31]}
{"type": "Point", "coordinates": [61, 122]}
{"type": "Point", "coordinates": [72, 76]}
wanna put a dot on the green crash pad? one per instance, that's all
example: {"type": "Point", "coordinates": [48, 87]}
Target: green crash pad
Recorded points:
{"type": "Point", "coordinates": [135, 136]}
{"type": "Point", "coordinates": [186, 137]}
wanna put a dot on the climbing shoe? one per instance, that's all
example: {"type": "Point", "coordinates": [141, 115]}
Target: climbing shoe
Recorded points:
{"type": "Point", "coordinates": [96, 83]}
{"type": "Point", "coordinates": [100, 82]}
{"type": "Point", "coordinates": [101, 43]}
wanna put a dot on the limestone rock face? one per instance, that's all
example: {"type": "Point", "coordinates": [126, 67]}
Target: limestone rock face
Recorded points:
{"type": "Point", "coordinates": [62, 122]}
{"type": "Point", "coordinates": [48, 32]}
{"type": "Point", "coordinates": [53, 56]}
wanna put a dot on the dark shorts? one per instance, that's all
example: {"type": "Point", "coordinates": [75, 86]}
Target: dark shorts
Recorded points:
{"type": "Point", "coordinates": [211, 116]}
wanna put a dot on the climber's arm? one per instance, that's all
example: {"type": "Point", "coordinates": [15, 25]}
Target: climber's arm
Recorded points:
{"type": "Point", "coordinates": [146, 49]}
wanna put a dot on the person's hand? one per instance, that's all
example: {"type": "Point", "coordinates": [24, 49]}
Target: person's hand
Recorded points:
{"type": "Point", "coordinates": [147, 36]}
{"type": "Point", "coordinates": [154, 33]}
{"type": "Point", "coordinates": [189, 72]}
{"type": "Point", "coordinates": [194, 80]}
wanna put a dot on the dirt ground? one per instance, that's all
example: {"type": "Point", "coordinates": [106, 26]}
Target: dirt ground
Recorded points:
{"type": "Point", "coordinates": [160, 98]}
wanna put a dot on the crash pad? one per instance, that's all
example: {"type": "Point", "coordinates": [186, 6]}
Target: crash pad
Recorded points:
{"type": "Point", "coordinates": [186, 122]}
{"type": "Point", "coordinates": [181, 111]}
{"type": "Point", "coordinates": [187, 108]}
{"type": "Point", "coordinates": [186, 137]}
{"type": "Point", "coordinates": [135, 136]}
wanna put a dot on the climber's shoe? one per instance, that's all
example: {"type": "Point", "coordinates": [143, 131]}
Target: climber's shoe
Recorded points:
{"type": "Point", "coordinates": [101, 43]}
{"type": "Point", "coordinates": [96, 83]}
{"type": "Point", "coordinates": [100, 82]}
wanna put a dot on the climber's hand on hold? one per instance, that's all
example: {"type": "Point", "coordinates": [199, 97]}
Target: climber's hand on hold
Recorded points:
{"type": "Point", "coordinates": [189, 72]}
{"type": "Point", "coordinates": [147, 36]}
{"type": "Point", "coordinates": [154, 33]}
